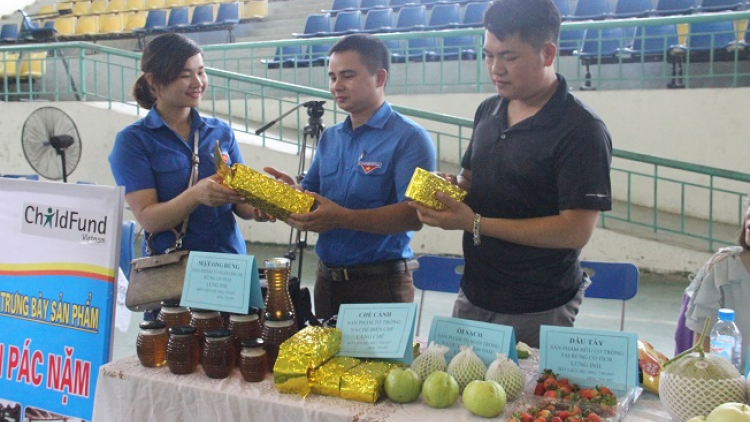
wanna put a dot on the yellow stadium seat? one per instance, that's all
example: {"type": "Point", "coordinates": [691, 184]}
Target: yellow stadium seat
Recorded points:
{"type": "Point", "coordinates": [111, 23]}
{"type": "Point", "coordinates": [135, 20]}
{"type": "Point", "coordinates": [66, 26]}
{"type": "Point", "coordinates": [34, 64]}
{"type": "Point", "coordinates": [81, 8]}
{"type": "Point", "coordinates": [87, 25]}
{"type": "Point", "coordinates": [9, 65]}
{"type": "Point", "coordinates": [47, 10]}
{"type": "Point", "coordinates": [116, 6]}
{"type": "Point", "coordinates": [98, 6]}
{"type": "Point", "coordinates": [135, 4]}
{"type": "Point", "coordinates": [154, 4]}
{"type": "Point", "coordinates": [256, 9]}
{"type": "Point", "coordinates": [174, 3]}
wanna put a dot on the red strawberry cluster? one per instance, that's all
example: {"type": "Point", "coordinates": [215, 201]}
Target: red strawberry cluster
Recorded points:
{"type": "Point", "coordinates": [568, 402]}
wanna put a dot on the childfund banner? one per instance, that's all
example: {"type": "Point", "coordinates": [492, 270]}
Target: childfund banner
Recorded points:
{"type": "Point", "coordinates": [58, 269]}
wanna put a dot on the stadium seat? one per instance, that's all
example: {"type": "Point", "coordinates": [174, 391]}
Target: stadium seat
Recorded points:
{"type": "Point", "coordinates": [474, 14]}
{"type": "Point", "coordinates": [156, 19]}
{"type": "Point", "coordinates": [203, 14]}
{"type": "Point", "coordinates": [286, 57]}
{"type": "Point", "coordinates": [8, 65]}
{"type": "Point", "coordinates": [81, 8]}
{"type": "Point", "coordinates": [98, 6]}
{"type": "Point", "coordinates": [64, 5]}
{"type": "Point", "coordinates": [33, 33]}
{"type": "Point", "coordinates": [396, 5]}
{"type": "Point", "coordinates": [33, 65]}
{"type": "Point", "coordinates": [340, 6]}
{"type": "Point", "coordinates": [136, 20]}
{"type": "Point", "coordinates": [659, 43]}
{"type": "Point", "coordinates": [178, 17]}
{"type": "Point", "coordinates": [632, 9]}
{"type": "Point", "coordinates": [153, 4]}
{"type": "Point", "coordinates": [564, 8]}
{"type": "Point", "coordinates": [317, 55]}
{"type": "Point", "coordinates": [255, 9]}
{"type": "Point", "coordinates": [47, 10]}
{"type": "Point", "coordinates": [412, 18]}
{"type": "Point", "coordinates": [347, 22]}
{"type": "Point", "coordinates": [674, 7]}
{"type": "Point", "coordinates": [87, 26]}
{"type": "Point", "coordinates": [8, 33]}
{"type": "Point", "coordinates": [367, 5]}
{"type": "Point", "coordinates": [444, 16]}
{"type": "Point", "coordinates": [711, 41]}
{"type": "Point", "coordinates": [66, 26]}
{"type": "Point", "coordinates": [378, 21]}
{"type": "Point", "coordinates": [603, 46]}
{"type": "Point", "coordinates": [436, 274]}
{"type": "Point", "coordinates": [111, 23]}
{"type": "Point", "coordinates": [719, 5]}
{"type": "Point", "coordinates": [570, 41]}
{"type": "Point", "coordinates": [316, 25]}
{"type": "Point", "coordinates": [174, 3]}
{"type": "Point", "coordinates": [590, 10]}
{"type": "Point", "coordinates": [115, 6]}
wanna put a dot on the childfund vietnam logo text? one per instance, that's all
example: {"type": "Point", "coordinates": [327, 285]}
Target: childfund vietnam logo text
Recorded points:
{"type": "Point", "coordinates": [64, 223]}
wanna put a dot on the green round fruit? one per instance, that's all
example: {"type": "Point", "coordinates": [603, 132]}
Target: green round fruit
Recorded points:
{"type": "Point", "coordinates": [484, 398]}
{"type": "Point", "coordinates": [440, 390]}
{"type": "Point", "coordinates": [403, 385]}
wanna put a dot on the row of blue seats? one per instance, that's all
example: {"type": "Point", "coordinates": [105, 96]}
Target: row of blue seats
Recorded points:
{"type": "Point", "coordinates": [410, 18]}
{"type": "Point", "coordinates": [177, 19]}
{"type": "Point", "coordinates": [600, 9]}
{"type": "Point", "coordinates": [366, 5]}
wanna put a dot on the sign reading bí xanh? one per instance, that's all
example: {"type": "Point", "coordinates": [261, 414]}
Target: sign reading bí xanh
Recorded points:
{"type": "Point", "coordinates": [58, 269]}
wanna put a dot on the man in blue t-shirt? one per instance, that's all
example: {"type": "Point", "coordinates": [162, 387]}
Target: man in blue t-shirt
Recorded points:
{"type": "Point", "coordinates": [358, 177]}
{"type": "Point", "coordinates": [537, 175]}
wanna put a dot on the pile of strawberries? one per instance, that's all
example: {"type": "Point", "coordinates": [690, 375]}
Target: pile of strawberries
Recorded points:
{"type": "Point", "coordinates": [567, 402]}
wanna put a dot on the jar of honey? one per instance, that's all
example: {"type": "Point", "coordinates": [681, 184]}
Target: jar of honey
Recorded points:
{"type": "Point", "coordinates": [244, 327]}
{"type": "Point", "coordinates": [151, 344]}
{"type": "Point", "coordinates": [218, 353]}
{"type": "Point", "coordinates": [173, 314]}
{"type": "Point", "coordinates": [182, 350]}
{"type": "Point", "coordinates": [276, 332]}
{"type": "Point", "coordinates": [253, 364]}
{"type": "Point", "coordinates": [202, 320]}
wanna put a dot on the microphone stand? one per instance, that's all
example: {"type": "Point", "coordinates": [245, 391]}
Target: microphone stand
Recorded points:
{"type": "Point", "coordinates": [313, 130]}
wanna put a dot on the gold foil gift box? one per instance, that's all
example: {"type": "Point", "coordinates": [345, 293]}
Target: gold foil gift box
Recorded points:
{"type": "Point", "coordinates": [271, 196]}
{"type": "Point", "coordinates": [365, 382]}
{"type": "Point", "coordinates": [326, 380]}
{"type": "Point", "coordinates": [424, 185]}
{"type": "Point", "coordinates": [302, 353]}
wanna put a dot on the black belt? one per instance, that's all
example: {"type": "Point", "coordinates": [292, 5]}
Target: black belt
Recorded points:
{"type": "Point", "coordinates": [399, 266]}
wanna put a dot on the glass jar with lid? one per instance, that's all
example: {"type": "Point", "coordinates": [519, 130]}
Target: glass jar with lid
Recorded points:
{"type": "Point", "coordinates": [218, 353]}
{"type": "Point", "coordinates": [182, 350]}
{"type": "Point", "coordinates": [151, 344]}
{"type": "Point", "coordinates": [276, 332]}
{"type": "Point", "coordinates": [173, 314]}
{"type": "Point", "coordinates": [244, 327]}
{"type": "Point", "coordinates": [202, 320]}
{"type": "Point", "coordinates": [252, 363]}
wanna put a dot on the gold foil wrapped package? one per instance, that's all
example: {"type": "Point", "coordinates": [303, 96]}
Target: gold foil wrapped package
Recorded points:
{"type": "Point", "coordinates": [365, 382]}
{"type": "Point", "coordinates": [300, 354]}
{"type": "Point", "coordinates": [424, 185]}
{"type": "Point", "coordinates": [326, 380]}
{"type": "Point", "coordinates": [271, 196]}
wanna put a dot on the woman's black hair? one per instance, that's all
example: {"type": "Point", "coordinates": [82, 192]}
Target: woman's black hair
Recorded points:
{"type": "Point", "coordinates": [164, 58]}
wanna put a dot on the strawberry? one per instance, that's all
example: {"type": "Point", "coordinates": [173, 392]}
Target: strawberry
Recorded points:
{"type": "Point", "coordinates": [563, 414]}
{"type": "Point", "coordinates": [556, 419]}
{"type": "Point", "coordinates": [593, 417]}
{"type": "Point", "coordinates": [604, 391]}
{"type": "Point", "coordinates": [526, 417]}
{"type": "Point", "coordinates": [539, 390]}
{"type": "Point", "coordinates": [540, 419]}
{"type": "Point", "coordinates": [588, 393]}
{"type": "Point", "coordinates": [550, 383]}
{"type": "Point", "coordinates": [544, 413]}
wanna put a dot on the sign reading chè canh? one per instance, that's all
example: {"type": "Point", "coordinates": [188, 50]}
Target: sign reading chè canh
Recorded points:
{"type": "Point", "coordinates": [590, 357]}
{"type": "Point", "coordinates": [381, 330]}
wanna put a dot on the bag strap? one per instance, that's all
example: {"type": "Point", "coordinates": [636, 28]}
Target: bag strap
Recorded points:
{"type": "Point", "coordinates": [195, 160]}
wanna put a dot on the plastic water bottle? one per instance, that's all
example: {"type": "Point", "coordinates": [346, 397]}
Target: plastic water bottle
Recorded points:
{"type": "Point", "coordinates": [726, 339]}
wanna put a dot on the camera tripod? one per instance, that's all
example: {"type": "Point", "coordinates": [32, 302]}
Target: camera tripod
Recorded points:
{"type": "Point", "coordinates": [311, 131]}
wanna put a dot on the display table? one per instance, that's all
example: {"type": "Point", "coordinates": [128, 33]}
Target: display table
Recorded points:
{"type": "Point", "coordinates": [127, 391]}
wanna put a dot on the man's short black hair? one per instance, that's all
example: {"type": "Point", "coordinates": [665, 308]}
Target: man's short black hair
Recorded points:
{"type": "Point", "coordinates": [373, 51]}
{"type": "Point", "coordinates": [534, 21]}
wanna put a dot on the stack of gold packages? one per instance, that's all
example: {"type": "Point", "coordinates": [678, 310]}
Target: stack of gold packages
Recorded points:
{"type": "Point", "coordinates": [301, 354]}
{"type": "Point", "coordinates": [365, 382]}
{"type": "Point", "coordinates": [424, 185]}
{"type": "Point", "coordinates": [326, 380]}
{"type": "Point", "coordinates": [271, 196]}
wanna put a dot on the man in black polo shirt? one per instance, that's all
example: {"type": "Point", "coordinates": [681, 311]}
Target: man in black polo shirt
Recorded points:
{"type": "Point", "coordinates": [537, 173]}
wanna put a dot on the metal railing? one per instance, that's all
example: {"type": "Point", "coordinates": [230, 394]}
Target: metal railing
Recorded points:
{"type": "Point", "coordinates": [670, 200]}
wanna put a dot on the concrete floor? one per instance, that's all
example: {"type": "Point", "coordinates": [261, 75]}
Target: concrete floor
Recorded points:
{"type": "Point", "coordinates": [652, 313]}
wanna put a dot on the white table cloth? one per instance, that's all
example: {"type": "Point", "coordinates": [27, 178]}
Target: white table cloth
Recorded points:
{"type": "Point", "coordinates": [127, 391]}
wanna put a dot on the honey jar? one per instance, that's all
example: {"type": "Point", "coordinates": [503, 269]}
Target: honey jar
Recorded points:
{"type": "Point", "coordinates": [151, 344]}
{"type": "Point", "coordinates": [253, 364]}
{"type": "Point", "coordinates": [218, 353]}
{"type": "Point", "coordinates": [182, 350]}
